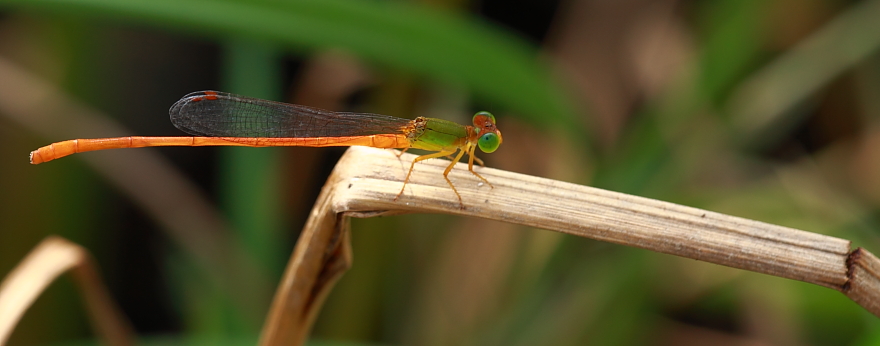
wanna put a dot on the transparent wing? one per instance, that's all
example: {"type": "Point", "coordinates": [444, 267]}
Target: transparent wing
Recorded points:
{"type": "Point", "coordinates": [220, 114]}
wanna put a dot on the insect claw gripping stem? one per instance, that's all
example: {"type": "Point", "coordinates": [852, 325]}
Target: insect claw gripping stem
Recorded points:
{"type": "Point", "coordinates": [445, 173]}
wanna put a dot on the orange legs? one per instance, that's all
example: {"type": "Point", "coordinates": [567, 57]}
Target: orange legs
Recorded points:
{"type": "Point", "coordinates": [456, 159]}
{"type": "Point", "coordinates": [471, 159]}
{"type": "Point", "coordinates": [425, 157]}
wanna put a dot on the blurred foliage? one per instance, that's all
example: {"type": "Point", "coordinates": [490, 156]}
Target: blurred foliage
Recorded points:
{"type": "Point", "coordinates": [439, 45]}
{"type": "Point", "coordinates": [761, 109]}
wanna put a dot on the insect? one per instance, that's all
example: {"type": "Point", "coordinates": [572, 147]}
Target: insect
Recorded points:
{"type": "Point", "coordinates": [222, 119]}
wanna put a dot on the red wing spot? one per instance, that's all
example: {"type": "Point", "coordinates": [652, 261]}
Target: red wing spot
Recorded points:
{"type": "Point", "coordinates": [210, 95]}
{"type": "Point", "coordinates": [197, 99]}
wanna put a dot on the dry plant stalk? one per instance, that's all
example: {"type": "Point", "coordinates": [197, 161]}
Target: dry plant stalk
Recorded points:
{"type": "Point", "coordinates": [366, 180]}
{"type": "Point", "coordinates": [51, 258]}
{"type": "Point", "coordinates": [364, 184]}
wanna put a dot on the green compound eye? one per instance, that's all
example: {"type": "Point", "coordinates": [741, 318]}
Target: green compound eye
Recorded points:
{"type": "Point", "coordinates": [479, 118]}
{"type": "Point", "coordinates": [489, 142]}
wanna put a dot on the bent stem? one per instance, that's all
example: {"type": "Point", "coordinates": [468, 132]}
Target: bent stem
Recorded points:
{"type": "Point", "coordinates": [366, 181]}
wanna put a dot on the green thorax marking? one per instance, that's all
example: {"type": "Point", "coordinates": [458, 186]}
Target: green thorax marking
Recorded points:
{"type": "Point", "coordinates": [438, 134]}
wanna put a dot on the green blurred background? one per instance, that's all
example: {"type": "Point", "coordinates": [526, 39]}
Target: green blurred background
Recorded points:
{"type": "Point", "coordinates": [764, 109]}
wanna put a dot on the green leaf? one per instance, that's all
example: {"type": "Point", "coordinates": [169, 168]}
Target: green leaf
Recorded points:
{"type": "Point", "coordinates": [440, 45]}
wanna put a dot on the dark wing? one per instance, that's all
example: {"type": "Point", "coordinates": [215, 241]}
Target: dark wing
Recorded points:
{"type": "Point", "coordinates": [220, 114]}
